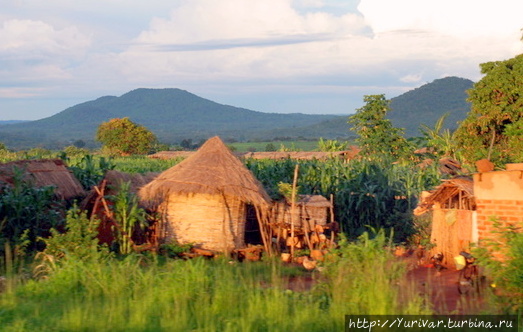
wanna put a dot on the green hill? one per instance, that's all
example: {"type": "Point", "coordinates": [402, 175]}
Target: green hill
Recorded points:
{"type": "Point", "coordinates": [426, 104]}
{"type": "Point", "coordinates": [174, 115]}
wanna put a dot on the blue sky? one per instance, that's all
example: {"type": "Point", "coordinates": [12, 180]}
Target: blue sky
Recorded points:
{"type": "Point", "coordinates": [286, 56]}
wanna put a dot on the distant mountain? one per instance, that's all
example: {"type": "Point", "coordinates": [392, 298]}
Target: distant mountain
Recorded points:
{"type": "Point", "coordinates": [174, 115]}
{"type": "Point", "coordinates": [5, 122]}
{"type": "Point", "coordinates": [426, 104]}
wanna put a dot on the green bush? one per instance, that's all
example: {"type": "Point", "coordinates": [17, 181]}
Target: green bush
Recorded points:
{"type": "Point", "coordinates": [79, 239]}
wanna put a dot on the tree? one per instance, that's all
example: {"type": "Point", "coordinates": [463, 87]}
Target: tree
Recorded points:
{"type": "Point", "coordinates": [377, 138]}
{"type": "Point", "coordinates": [493, 129]}
{"type": "Point", "coordinates": [124, 137]}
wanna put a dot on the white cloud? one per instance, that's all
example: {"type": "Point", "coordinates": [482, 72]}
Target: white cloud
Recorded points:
{"type": "Point", "coordinates": [411, 78]}
{"type": "Point", "coordinates": [451, 17]}
{"type": "Point", "coordinates": [236, 39]}
{"type": "Point", "coordinates": [29, 38]}
{"type": "Point", "coordinates": [34, 52]}
{"type": "Point", "coordinates": [378, 46]}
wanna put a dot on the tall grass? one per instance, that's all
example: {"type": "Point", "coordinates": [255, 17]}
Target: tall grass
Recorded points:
{"type": "Point", "coordinates": [145, 293]}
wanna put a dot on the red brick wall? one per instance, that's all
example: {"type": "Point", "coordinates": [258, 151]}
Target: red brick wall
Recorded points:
{"type": "Point", "coordinates": [499, 196]}
{"type": "Point", "coordinates": [506, 211]}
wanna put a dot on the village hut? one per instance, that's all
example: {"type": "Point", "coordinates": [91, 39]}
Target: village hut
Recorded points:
{"type": "Point", "coordinates": [206, 199]}
{"type": "Point", "coordinates": [42, 173]}
{"type": "Point", "coordinates": [453, 209]}
{"type": "Point", "coordinates": [98, 204]}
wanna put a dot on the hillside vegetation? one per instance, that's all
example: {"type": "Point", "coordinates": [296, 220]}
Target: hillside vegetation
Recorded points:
{"type": "Point", "coordinates": [426, 104]}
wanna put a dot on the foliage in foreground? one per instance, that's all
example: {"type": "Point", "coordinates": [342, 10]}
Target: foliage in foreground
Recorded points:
{"type": "Point", "coordinates": [148, 293]}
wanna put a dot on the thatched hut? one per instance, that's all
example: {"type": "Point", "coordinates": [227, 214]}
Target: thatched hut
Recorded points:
{"type": "Point", "coordinates": [42, 173]}
{"type": "Point", "coordinates": [205, 199]}
{"type": "Point", "coordinates": [97, 204]}
{"type": "Point", "coordinates": [453, 208]}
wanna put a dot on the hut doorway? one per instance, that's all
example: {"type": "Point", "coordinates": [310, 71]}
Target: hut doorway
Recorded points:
{"type": "Point", "coordinates": [252, 226]}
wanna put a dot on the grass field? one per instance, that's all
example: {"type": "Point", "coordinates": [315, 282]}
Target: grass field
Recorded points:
{"type": "Point", "coordinates": [93, 292]}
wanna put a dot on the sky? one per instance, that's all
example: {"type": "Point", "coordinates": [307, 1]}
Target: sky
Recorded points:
{"type": "Point", "coordinates": [283, 56]}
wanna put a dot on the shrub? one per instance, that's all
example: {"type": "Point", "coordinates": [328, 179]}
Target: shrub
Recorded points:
{"type": "Point", "coordinates": [79, 241]}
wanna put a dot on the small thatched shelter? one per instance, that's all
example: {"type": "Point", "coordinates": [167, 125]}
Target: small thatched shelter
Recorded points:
{"type": "Point", "coordinates": [97, 204]}
{"type": "Point", "coordinates": [205, 199]}
{"type": "Point", "coordinates": [310, 210]}
{"type": "Point", "coordinates": [453, 208]}
{"type": "Point", "coordinates": [44, 172]}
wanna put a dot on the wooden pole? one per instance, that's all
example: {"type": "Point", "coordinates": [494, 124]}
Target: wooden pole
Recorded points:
{"type": "Point", "coordinates": [293, 206]}
{"type": "Point", "coordinates": [263, 232]}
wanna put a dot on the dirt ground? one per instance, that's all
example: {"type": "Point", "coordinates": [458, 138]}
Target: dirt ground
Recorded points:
{"type": "Point", "coordinates": [441, 289]}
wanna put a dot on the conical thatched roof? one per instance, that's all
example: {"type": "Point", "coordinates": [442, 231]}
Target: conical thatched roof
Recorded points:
{"type": "Point", "coordinates": [214, 170]}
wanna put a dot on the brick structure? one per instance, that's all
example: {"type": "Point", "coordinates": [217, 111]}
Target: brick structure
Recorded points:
{"type": "Point", "coordinates": [499, 195]}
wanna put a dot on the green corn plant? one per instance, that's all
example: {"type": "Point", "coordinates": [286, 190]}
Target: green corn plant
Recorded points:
{"type": "Point", "coordinates": [127, 215]}
{"type": "Point", "coordinates": [90, 170]}
{"type": "Point", "coordinates": [377, 193]}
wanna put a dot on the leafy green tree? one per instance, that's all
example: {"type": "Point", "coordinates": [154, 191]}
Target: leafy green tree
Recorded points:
{"type": "Point", "coordinates": [124, 137]}
{"type": "Point", "coordinates": [377, 137]}
{"type": "Point", "coordinates": [494, 127]}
